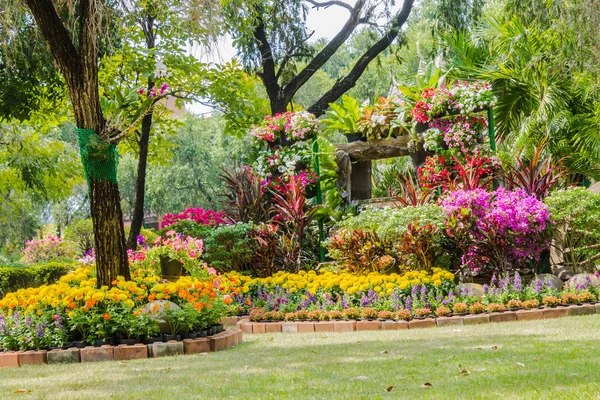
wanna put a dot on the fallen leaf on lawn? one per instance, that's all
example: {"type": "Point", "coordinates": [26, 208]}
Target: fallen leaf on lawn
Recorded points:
{"type": "Point", "coordinates": [520, 364]}
{"type": "Point", "coordinates": [446, 359]}
{"type": "Point", "coordinates": [426, 385]}
{"type": "Point", "coordinates": [122, 362]}
{"type": "Point", "coordinates": [494, 347]}
{"type": "Point", "coordinates": [463, 371]}
{"type": "Point", "coordinates": [360, 378]}
{"type": "Point", "coordinates": [166, 369]}
{"type": "Point", "coordinates": [245, 367]}
{"type": "Point", "coordinates": [390, 389]}
{"type": "Point", "coordinates": [383, 352]}
{"type": "Point", "coordinates": [22, 391]}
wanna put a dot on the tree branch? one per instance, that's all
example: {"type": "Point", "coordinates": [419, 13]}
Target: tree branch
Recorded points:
{"type": "Point", "coordinates": [321, 58]}
{"type": "Point", "coordinates": [346, 83]}
{"type": "Point", "coordinates": [267, 75]}
{"type": "Point", "coordinates": [327, 4]}
{"type": "Point", "coordinates": [56, 34]}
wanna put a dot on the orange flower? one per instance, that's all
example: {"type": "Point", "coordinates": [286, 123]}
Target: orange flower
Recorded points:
{"type": "Point", "coordinates": [152, 297]}
{"type": "Point", "coordinates": [106, 317]}
{"type": "Point", "coordinates": [38, 313]}
{"type": "Point", "coordinates": [72, 305]}
{"type": "Point", "coordinates": [114, 282]}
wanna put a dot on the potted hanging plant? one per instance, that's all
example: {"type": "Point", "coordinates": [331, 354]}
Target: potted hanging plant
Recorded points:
{"type": "Point", "coordinates": [174, 253]}
{"type": "Point", "coordinates": [343, 117]}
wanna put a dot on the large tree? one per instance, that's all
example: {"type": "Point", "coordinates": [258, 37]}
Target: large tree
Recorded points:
{"type": "Point", "coordinates": [77, 60]}
{"type": "Point", "coordinates": [271, 36]}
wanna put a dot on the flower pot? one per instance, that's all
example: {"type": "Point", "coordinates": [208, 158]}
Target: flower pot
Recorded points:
{"type": "Point", "coordinates": [166, 338]}
{"type": "Point", "coordinates": [152, 340]}
{"type": "Point", "coordinates": [189, 335]}
{"type": "Point", "coordinates": [421, 127]}
{"type": "Point", "coordinates": [80, 344]}
{"type": "Point", "coordinates": [100, 343]}
{"type": "Point", "coordinates": [355, 137]}
{"type": "Point", "coordinates": [129, 342]}
{"type": "Point", "coordinates": [202, 333]}
{"type": "Point", "coordinates": [170, 270]}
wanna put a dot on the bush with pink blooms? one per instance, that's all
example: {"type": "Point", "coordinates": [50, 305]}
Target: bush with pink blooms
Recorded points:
{"type": "Point", "coordinates": [48, 249]}
{"type": "Point", "coordinates": [498, 230]}
{"type": "Point", "coordinates": [198, 215]}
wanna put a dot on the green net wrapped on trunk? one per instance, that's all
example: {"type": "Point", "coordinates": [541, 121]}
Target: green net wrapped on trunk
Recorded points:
{"type": "Point", "coordinates": [99, 159]}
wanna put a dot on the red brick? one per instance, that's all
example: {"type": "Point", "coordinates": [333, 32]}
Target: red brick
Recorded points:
{"type": "Point", "coordinates": [558, 312]}
{"type": "Point", "coordinates": [305, 327]}
{"type": "Point", "coordinates": [507, 316]}
{"type": "Point", "coordinates": [259, 327]}
{"type": "Point", "coordinates": [247, 327]}
{"type": "Point", "coordinates": [241, 321]}
{"type": "Point", "coordinates": [273, 327]}
{"type": "Point", "coordinates": [33, 357]}
{"type": "Point", "coordinates": [446, 321]}
{"type": "Point", "coordinates": [344, 326]}
{"type": "Point", "coordinates": [324, 327]}
{"type": "Point", "coordinates": [67, 356]}
{"type": "Point", "coordinates": [217, 343]}
{"type": "Point", "coordinates": [229, 339]}
{"type": "Point", "coordinates": [10, 359]}
{"type": "Point", "coordinates": [93, 354]}
{"type": "Point", "coordinates": [422, 323]}
{"type": "Point", "coordinates": [368, 325]}
{"type": "Point", "coordinates": [529, 315]}
{"type": "Point", "coordinates": [135, 352]}
{"type": "Point", "coordinates": [289, 327]}
{"type": "Point", "coordinates": [476, 319]}
{"type": "Point", "coordinates": [586, 309]}
{"type": "Point", "coordinates": [193, 346]}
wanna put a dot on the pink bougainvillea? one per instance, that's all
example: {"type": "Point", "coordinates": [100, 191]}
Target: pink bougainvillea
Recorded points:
{"type": "Point", "coordinates": [198, 215]}
{"type": "Point", "coordinates": [497, 230]}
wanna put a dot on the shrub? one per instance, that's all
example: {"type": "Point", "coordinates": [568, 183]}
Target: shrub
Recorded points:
{"type": "Point", "coordinates": [496, 307]}
{"type": "Point", "coordinates": [404, 315]}
{"type": "Point", "coordinates": [410, 235]}
{"type": "Point", "coordinates": [422, 312]}
{"type": "Point", "coordinates": [576, 213]}
{"type": "Point", "coordinates": [476, 308]}
{"type": "Point", "coordinates": [324, 316]}
{"type": "Point", "coordinates": [314, 315]}
{"type": "Point", "coordinates": [442, 311]}
{"type": "Point", "coordinates": [230, 248]}
{"type": "Point", "coordinates": [368, 313]}
{"type": "Point", "coordinates": [291, 316]}
{"type": "Point", "coordinates": [81, 232]}
{"type": "Point", "coordinates": [256, 315]}
{"type": "Point", "coordinates": [585, 297]}
{"type": "Point", "coordinates": [569, 298]}
{"type": "Point", "coordinates": [351, 313]}
{"type": "Point", "coordinates": [529, 304]}
{"type": "Point", "coordinates": [336, 315]}
{"type": "Point", "coordinates": [550, 301]}
{"type": "Point", "coordinates": [301, 315]}
{"type": "Point", "coordinates": [515, 303]}
{"type": "Point", "coordinates": [498, 230]}
{"type": "Point", "coordinates": [13, 279]}
{"type": "Point", "coordinates": [274, 316]}
{"type": "Point", "coordinates": [198, 215]}
{"type": "Point", "coordinates": [48, 249]}
{"type": "Point", "coordinates": [386, 315]}
{"type": "Point", "coordinates": [460, 308]}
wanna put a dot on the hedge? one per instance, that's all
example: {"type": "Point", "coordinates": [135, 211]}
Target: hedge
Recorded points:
{"type": "Point", "coordinates": [13, 279]}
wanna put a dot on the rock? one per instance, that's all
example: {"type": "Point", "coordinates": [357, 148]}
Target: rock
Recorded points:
{"type": "Point", "coordinates": [60, 356]}
{"type": "Point", "coordinates": [550, 280]}
{"type": "Point", "coordinates": [167, 349]}
{"type": "Point", "coordinates": [474, 289]}
{"type": "Point", "coordinates": [157, 311]}
{"type": "Point", "coordinates": [582, 279]}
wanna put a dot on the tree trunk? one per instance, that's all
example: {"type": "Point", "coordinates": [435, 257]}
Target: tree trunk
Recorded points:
{"type": "Point", "coordinates": [109, 235]}
{"type": "Point", "coordinates": [137, 219]}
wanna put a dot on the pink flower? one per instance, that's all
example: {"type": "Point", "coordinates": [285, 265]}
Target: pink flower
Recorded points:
{"type": "Point", "coordinates": [158, 240]}
{"type": "Point", "coordinates": [171, 232]}
{"type": "Point", "coordinates": [141, 91]}
{"type": "Point", "coordinates": [163, 88]}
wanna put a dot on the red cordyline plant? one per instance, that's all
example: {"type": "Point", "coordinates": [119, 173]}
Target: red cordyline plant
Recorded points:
{"type": "Point", "coordinates": [246, 197]}
{"type": "Point", "coordinates": [294, 216]}
{"type": "Point", "coordinates": [536, 175]}
{"type": "Point", "coordinates": [476, 172]}
{"type": "Point", "coordinates": [409, 193]}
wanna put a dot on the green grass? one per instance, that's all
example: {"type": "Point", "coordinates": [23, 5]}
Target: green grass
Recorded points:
{"type": "Point", "coordinates": [549, 359]}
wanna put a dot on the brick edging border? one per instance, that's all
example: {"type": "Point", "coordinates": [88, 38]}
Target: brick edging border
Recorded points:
{"type": "Point", "coordinates": [221, 341]}
{"type": "Point", "coordinates": [374, 325]}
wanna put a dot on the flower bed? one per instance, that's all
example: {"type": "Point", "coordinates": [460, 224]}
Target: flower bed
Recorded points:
{"type": "Point", "coordinates": [74, 310]}
{"type": "Point", "coordinates": [342, 296]}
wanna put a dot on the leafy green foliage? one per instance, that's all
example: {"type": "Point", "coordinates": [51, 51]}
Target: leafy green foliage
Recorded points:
{"type": "Point", "coordinates": [81, 232]}
{"type": "Point", "coordinates": [343, 116]}
{"type": "Point", "coordinates": [13, 279]}
{"type": "Point", "coordinates": [576, 213]}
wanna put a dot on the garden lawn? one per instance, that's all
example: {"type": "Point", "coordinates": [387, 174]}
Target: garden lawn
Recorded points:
{"type": "Point", "coordinates": [558, 359]}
